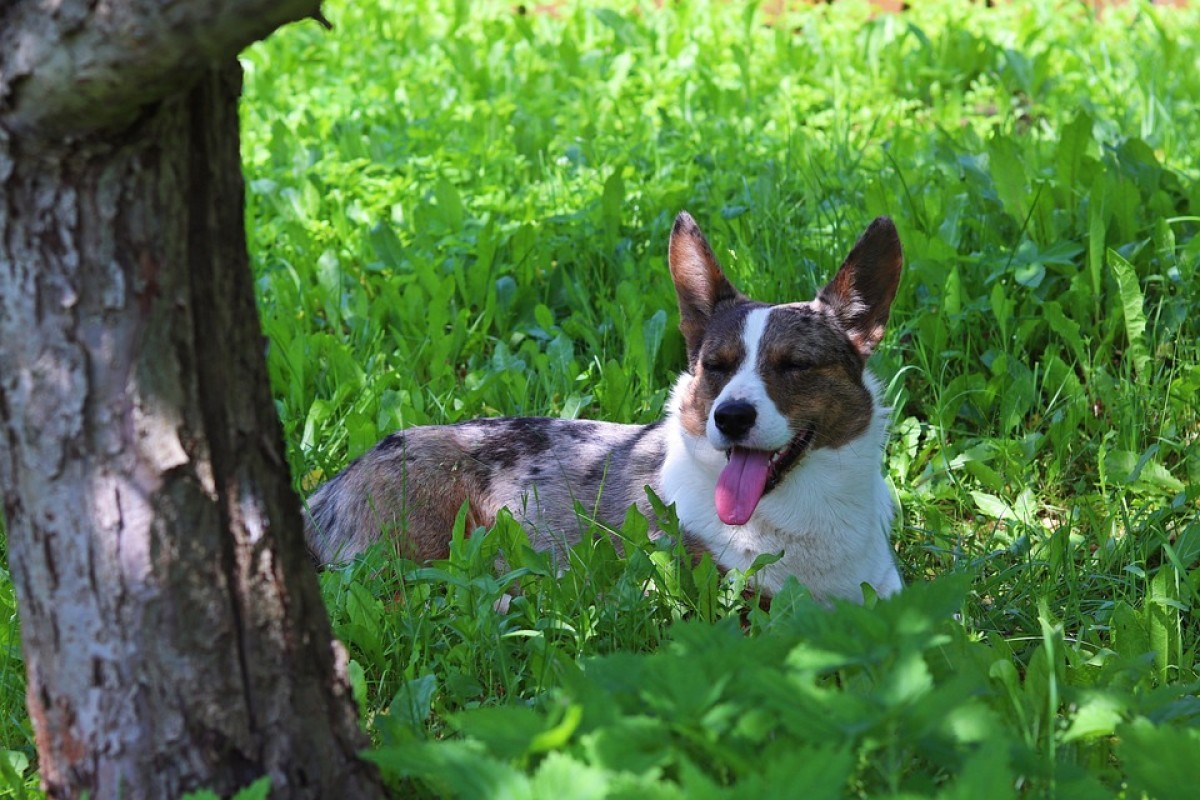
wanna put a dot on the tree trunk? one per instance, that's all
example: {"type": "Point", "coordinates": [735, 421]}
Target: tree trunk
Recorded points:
{"type": "Point", "coordinates": [173, 631]}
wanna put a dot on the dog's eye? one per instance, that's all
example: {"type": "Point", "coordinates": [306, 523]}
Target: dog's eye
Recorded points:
{"type": "Point", "coordinates": [717, 365]}
{"type": "Point", "coordinates": [795, 365]}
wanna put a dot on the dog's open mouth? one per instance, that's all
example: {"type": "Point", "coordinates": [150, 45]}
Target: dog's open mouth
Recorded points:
{"type": "Point", "coordinates": [750, 474]}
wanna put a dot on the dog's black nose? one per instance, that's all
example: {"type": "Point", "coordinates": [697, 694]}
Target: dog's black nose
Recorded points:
{"type": "Point", "coordinates": [734, 418]}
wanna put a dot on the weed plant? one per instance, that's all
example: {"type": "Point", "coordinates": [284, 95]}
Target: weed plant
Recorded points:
{"type": "Point", "coordinates": [461, 209]}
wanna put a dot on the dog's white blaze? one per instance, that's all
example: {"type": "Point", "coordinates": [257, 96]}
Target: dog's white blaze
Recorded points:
{"type": "Point", "coordinates": [770, 431]}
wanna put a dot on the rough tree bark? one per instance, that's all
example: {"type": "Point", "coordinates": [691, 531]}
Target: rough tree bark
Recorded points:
{"type": "Point", "coordinates": [173, 632]}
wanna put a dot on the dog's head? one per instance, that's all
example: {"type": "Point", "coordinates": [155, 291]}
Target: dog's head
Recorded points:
{"type": "Point", "coordinates": [769, 382]}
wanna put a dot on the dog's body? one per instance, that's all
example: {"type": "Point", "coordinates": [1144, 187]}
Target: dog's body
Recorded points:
{"type": "Point", "coordinates": [771, 443]}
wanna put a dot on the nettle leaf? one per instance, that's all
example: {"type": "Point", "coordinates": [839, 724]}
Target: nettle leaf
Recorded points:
{"type": "Point", "coordinates": [258, 790]}
{"type": "Point", "coordinates": [987, 775]}
{"type": "Point", "coordinates": [1159, 760]}
{"type": "Point", "coordinates": [454, 768]}
{"type": "Point", "coordinates": [675, 687]}
{"type": "Point", "coordinates": [505, 731]}
{"type": "Point", "coordinates": [636, 744]}
{"type": "Point", "coordinates": [808, 659]}
{"type": "Point", "coordinates": [971, 721]}
{"type": "Point", "coordinates": [562, 777]}
{"type": "Point", "coordinates": [814, 773]}
{"type": "Point", "coordinates": [624, 786]}
{"type": "Point", "coordinates": [906, 680]}
{"type": "Point", "coordinates": [1097, 714]}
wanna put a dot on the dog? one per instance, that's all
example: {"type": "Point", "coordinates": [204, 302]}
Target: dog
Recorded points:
{"type": "Point", "coordinates": [772, 443]}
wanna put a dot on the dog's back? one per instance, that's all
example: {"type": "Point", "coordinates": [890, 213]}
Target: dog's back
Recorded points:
{"type": "Point", "coordinates": [413, 483]}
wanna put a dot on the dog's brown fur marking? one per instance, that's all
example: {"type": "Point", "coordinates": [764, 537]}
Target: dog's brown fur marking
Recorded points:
{"type": "Point", "coordinates": [816, 374]}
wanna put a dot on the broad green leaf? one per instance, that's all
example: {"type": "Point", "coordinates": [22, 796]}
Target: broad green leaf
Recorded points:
{"type": "Point", "coordinates": [412, 704]}
{"type": "Point", "coordinates": [1132, 469]}
{"type": "Point", "coordinates": [1073, 147]}
{"type": "Point", "coordinates": [1008, 173]}
{"type": "Point", "coordinates": [1163, 621]}
{"type": "Point", "coordinates": [991, 506]}
{"type": "Point", "coordinates": [652, 335]}
{"type": "Point", "coordinates": [612, 202]}
{"type": "Point", "coordinates": [1067, 329]}
{"type": "Point", "coordinates": [450, 208]}
{"type": "Point", "coordinates": [386, 245]}
{"type": "Point", "coordinates": [358, 685]}
{"type": "Point", "coordinates": [1131, 633]}
{"type": "Point", "coordinates": [1133, 309]}
{"type": "Point", "coordinates": [1002, 308]}
{"type": "Point", "coordinates": [1097, 235]}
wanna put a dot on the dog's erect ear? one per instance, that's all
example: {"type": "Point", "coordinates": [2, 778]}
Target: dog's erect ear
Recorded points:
{"type": "Point", "coordinates": [861, 293]}
{"type": "Point", "coordinates": [699, 282]}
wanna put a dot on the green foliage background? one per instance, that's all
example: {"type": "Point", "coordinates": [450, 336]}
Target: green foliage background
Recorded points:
{"type": "Point", "coordinates": [458, 209]}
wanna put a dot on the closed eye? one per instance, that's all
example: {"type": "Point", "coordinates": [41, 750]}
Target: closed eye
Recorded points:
{"type": "Point", "coordinates": [796, 366]}
{"type": "Point", "coordinates": [716, 366]}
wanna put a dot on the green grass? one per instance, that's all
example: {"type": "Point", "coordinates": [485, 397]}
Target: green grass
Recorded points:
{"type": "Point", "coordinates": [456, 210]}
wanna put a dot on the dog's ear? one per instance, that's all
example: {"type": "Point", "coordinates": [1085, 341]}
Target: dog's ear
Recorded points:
{"type": "Point", "coordinates": [861, 293]}
{"type": "Point", "coordinates": [699, 282]}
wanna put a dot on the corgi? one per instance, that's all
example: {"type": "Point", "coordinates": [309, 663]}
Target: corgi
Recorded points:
{"type": "Point", "coordinates": [772, 442]}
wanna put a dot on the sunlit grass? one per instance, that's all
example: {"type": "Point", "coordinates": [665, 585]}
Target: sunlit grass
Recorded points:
{"type": "Point", "coordinates": [459, 210]}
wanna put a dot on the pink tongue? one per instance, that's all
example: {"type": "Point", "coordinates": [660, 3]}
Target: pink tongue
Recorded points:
{"type": "Point", "coordinates": [741, 485]}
